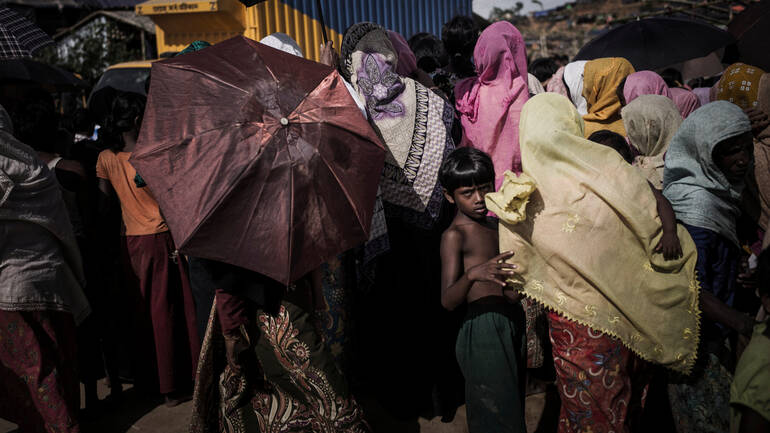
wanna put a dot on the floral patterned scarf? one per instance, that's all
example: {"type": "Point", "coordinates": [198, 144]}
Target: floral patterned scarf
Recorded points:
{"type": "Point", "coordinates": [413, 122]}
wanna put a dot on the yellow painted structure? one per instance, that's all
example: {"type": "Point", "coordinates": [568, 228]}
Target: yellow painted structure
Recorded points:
{"type": "Point", "coordinates": [180, 22]}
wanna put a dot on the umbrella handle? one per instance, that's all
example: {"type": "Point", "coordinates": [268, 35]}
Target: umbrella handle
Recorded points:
{"type": "Point", "coordinates": [321, 18]}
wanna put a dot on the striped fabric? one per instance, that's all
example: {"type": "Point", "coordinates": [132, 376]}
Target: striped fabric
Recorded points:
{"type": "Point", "coordinates": [19, 37]}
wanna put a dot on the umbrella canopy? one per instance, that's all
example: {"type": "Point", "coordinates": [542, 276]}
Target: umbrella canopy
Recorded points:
{"type": "Point", "coordinates": [751, 28]}
{"type": "Point", "coordinates": [654, 43]}
{"type": "Point", "coordinates": [19, 37]}
{"type": "Point", "coordinates": [48, 76]}
{"type": "Point", "coordinates": [258, 158]}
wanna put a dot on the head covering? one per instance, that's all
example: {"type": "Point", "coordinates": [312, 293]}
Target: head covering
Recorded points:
{"type": "Point", "coordinates": [414, 123]}
{"type": "Point", "coordinates": [39, 257]}
{"type": "Point", "coordinates": [703, 94]}
{"type": "Point", "coordinates": [489, 104]}
{"type": "Point", "coordinates": [573, 78]}
{"type": "Point", "coordinates": [700, 193]}
{"type": "Point", "coordinates": [534, 85]}
{"type": "Point", "coordinates": [585, 245]}
{"type": "Point", "coordinates": [350, 41]}
{"type": "Point", "coordinates": [407, 62]}
{"type": "Point", "coordinates": [600, 85]}
{"type": "Point", "coordinates": [556, 83]}
{"type": "Point", "coordinates": [651, 121]}
{"type": "Point", "coordinates": [740, 85]}
{"type": "Point", "coordinates": [644, 83]}
{"type": "Point", "coordinates": [685, 100]}
{"type": "Point", "coordinates": [283, 42]}
{"type": "Point", "coordinates": [713, 91]}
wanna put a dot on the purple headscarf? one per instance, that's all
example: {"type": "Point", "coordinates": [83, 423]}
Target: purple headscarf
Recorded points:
{"type": "Point", "coordinates": [407, 62]}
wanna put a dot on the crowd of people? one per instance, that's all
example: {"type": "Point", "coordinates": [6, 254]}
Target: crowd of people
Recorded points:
{"type": "Point", "coordinates": [540, 225]}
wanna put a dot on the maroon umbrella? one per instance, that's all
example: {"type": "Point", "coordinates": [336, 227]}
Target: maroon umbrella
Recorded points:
{"type": "Point", "coordinates": [258, 158]}
{"type": "Point", "coordinates": [751, 28]}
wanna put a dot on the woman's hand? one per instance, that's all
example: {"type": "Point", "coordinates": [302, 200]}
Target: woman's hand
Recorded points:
{"type": "Point", "coordinates": [759, 120]}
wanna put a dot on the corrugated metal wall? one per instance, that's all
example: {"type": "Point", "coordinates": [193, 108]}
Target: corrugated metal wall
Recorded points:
{"type": "Point", "coordinates": [404, 16]}
{"type": "Point", "coordinates": [277, 16]}
{"type": "Point", "coordinates": [300, 18]}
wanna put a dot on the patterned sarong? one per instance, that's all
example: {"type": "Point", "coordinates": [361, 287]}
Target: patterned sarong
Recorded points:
{"type": "Point", "coordinates": [39, 387]}
{"type": "Point", "coordinates": [289, 384]}
{"type": "Point", "coordinates": [594, 379]}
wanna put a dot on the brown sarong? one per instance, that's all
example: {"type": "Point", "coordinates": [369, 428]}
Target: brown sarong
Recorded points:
{"type": "Point", "coordinates": [167, 299]}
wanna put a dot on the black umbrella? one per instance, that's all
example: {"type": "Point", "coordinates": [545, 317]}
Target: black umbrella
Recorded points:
{"type": "Point", "coordinates": [28, 70]}
{"type": "Point", "coordinates": [751, 28]}
{"type": "Point", "coordinates": [19, 37]}
{"type": "Point", "coordinates": [654, 43]}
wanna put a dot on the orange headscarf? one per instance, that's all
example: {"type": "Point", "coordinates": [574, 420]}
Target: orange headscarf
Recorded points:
{"type": "Point", "coordinates": [600, 83]}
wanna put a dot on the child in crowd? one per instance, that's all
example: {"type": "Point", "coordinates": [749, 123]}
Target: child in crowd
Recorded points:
{"type": "Point", "coordinates": [669, 243]}
{"type": "Point", "coordinates": [750, 391]}
{"type": "Point", "coordinates": [490, 345]}
{"type": "Point", "coordinates": [615, 141]}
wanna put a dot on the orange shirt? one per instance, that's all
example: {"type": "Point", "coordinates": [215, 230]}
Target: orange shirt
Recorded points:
{"type": "Point", "coordinates": [141, 214]}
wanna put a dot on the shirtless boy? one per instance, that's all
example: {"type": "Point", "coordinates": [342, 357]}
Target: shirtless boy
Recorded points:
{"type": "Point", "coordinates": [490, 345]}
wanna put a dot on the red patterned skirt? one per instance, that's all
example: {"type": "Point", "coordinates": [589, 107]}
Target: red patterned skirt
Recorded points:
{"type": "Point", "coordinates": [38, 377]}
{"type": "Point", "coordinates": [600, 382]}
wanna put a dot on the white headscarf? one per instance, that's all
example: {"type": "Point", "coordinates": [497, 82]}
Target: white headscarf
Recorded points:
{"type": "Point", "coordinates": [283, 42]}
{"type": "Point", "coordinates": [573, 78]}
{"type": "Point", "coordinates": [534, 85]}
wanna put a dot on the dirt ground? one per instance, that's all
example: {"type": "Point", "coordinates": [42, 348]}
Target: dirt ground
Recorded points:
{"type": "Point", "coordinates": [141, 414]}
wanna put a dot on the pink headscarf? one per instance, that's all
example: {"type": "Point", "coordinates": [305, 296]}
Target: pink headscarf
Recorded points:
{"type": "Point", "coordinates": [703, 94]}
{"type": "Point", "coordinates": [490, 104]}
{"type": "Point", "coordinates": [685, 100]}
{"type": "Point", "coordinates": [407, 62]}
{"type": "Point", "coordinates": [644, 83]}
{"type": "Point", "coordinates": [556, 83]}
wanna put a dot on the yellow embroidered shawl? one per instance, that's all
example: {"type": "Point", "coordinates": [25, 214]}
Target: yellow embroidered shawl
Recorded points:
{"type": "Point", "coordinates": [584, 245]}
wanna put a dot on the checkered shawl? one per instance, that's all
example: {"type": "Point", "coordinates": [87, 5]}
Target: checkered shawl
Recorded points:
{"type": "Point", "coordinates": [19, 37]}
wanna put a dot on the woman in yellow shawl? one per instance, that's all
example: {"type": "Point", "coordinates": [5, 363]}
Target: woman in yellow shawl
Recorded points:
{"type": "Point", "coordinates": [584, 248]}
{"type": "Point", "coordinates": [601, 79]}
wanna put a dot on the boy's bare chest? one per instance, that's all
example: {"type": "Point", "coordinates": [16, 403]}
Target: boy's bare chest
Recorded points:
{"type": "Point", "coordinates": [481, 244]}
